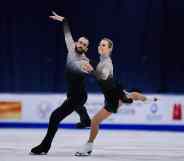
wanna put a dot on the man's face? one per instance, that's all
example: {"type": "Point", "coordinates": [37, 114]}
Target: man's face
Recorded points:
{"type": "Point", "coordinates": [103, 48]}
{"type": "Point", "coordinates": [81, 45]}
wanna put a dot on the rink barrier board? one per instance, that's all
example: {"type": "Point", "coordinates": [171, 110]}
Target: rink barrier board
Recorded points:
{"type": "Point", "coordinates": [34, 110]}
{"type": "Point", "coordinates": [171, 128]}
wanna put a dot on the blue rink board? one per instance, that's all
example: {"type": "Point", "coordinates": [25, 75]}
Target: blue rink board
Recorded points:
{"type": "Point", "coordinates": [143, 127]}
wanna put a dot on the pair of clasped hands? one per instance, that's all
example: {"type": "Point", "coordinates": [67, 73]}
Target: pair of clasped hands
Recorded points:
{"type": "Point", "coordinates": [87, 68]}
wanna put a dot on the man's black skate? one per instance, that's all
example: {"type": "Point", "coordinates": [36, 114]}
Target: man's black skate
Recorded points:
{"type": "Point", "coordinates": [40, 149]}
{"type": "Point", "coordinates": [83, 124]}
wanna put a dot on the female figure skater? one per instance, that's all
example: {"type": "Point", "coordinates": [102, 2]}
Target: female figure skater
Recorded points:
{"type": "Point", "coordinates": [104, 76]}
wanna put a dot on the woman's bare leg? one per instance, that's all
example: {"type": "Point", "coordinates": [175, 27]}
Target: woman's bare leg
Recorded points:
{"type": "Point", "coordinates": [95, 122]}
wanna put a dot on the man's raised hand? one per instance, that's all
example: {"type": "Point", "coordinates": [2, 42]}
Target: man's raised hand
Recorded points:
{"type": "Point", "coordinates": [56, 17]}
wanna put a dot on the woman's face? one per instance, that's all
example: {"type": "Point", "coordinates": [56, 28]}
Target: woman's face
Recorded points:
{"type": "Point", "coordinates": [103, 48]}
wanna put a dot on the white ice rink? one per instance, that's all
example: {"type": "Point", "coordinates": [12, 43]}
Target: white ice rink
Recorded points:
{"type": "Point", "coordinates": [15, 145]}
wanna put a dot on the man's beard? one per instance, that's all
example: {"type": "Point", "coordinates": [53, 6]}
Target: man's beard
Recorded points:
{"type": "Point", "coordinates": [80, 51]}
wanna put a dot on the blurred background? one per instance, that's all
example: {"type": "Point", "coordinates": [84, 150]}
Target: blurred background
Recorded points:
{"type": "Point", "coordinates": [148, 37]}
{"type": "Point", "coordinates": [148, 54]}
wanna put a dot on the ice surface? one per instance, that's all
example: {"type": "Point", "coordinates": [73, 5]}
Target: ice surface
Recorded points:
{"type": "Point", "coordinates": [114, 145]}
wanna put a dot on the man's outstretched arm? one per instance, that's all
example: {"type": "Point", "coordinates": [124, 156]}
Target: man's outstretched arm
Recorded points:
{"type": "Point", "coordinates": [68, 36]}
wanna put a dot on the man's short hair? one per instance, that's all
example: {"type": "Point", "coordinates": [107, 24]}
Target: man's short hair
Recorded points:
{"type": "Point", "coordinates": [85, 37]}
